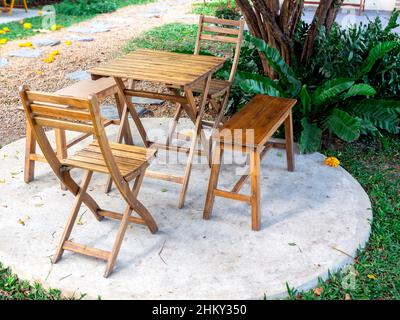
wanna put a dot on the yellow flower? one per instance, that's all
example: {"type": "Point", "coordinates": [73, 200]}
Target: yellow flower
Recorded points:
{"type": "Point", "coordinates": [25, 44]}
{"type": "Point", "coordinates": [68, 42]}
{"type": "Point", "coordinates": [5, 29]}
{"type": "Point", "coordinates": [332, 162]}
{"type": "Point", "coordinates": [27, 25]}
{"type": "Point", "coordinates": [3, 40]}
{"type": "Point", "coordinates": [50, 59]}
{"type": "Point", "coordinates": [55, 53]}
{"type": "Point", "coordinates": [2, 32]}
{"type": "Point", "coordinates": [55, 27]}
{"type": "Point", "coordinates": [21, 21]}
{"type": "Point", "coordinates": [38, 72]}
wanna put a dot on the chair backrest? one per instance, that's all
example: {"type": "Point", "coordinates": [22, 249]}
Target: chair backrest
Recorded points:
{"type": "Point", "coordinates": [67, 113]}
{"type": "Point", "coordinates": [221, 30]}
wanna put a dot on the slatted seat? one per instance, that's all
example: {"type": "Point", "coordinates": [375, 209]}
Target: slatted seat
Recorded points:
{"type": "Point", "coordinates": [217, 88]}
{"type": "Point", "coordinates": [129, 159]}
{"type": "Point", "coordinates": [250, 131]}
{"type": "Point", "coordinates": [121, 162]}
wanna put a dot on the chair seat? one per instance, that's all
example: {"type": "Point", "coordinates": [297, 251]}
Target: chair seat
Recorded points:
{"type": "Point", "coordinates": [130, 159]}
{"type": "Point", "coordinates": [217, 87]}
{"type": "Point", "coordinates": [101, 88]}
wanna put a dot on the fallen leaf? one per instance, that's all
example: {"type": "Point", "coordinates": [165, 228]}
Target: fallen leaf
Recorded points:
{"type": "Point", "coordinates": [21, 222]}
{"type": "Point", "coordinates": [39, 205]}
{"type": "Point", "coordinates": [2, 180]}
{"type": "Point", "coordinates": [164, 190]}
{"type": "Point", "coordinates": [291, 244]}
{"type": "Point", "coordinates": [318, 291]}
{"type": "Point", "coordinates": [279, 154]}
{"type": "Point", "coordinates": [371, 276]}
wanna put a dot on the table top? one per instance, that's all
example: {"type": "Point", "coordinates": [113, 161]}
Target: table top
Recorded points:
{"type": "Point", "coordinates": [161, 66]}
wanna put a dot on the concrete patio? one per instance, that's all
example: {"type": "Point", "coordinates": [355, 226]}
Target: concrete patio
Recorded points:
{"type": "Point", "coordinates": [18, 14]}
{"type": "Point", "coordinates": [312, 219]}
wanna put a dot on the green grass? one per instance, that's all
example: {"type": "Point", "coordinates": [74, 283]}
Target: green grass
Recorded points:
{"type": "Point", "coordinates": [175, 37]}
{"type": "Point", "coordinates": [18, 32]}
{"type": "Point", "coordinates": [12, 288]}
{"type": "Point", "coordinates": [210, 7]}
{"type": "Point", "coordinates": [377, 266]}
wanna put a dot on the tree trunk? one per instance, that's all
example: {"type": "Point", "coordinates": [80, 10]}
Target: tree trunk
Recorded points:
{"type": "Point", "coordinates": [276, 24]}
{"type": "Point", "coordinates": [325, 16]}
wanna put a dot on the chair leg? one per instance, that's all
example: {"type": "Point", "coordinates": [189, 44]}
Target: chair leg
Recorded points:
{"type": "Point", "coordinates": [30, 148]}
{"type": "Point", "coordinates": [73, 215]}
{"type": "Point", "coordinates": [255, 190]}
{"type": "Point", "coordinates": [11, 7]}
{"type": "Point", "coordinates": [122, 228]}
{"type": "Point", "coordinates": [289, 142]}
{"type": "Point", "coordinates": [25, 6]}
{"type": "Point", "coordinates": [118, 241]}
{"type": "Point", "coordinates": [213, 182]}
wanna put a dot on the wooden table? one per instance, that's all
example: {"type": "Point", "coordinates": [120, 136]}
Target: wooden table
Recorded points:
{"type": "Point", "coordinates": [176, 70]}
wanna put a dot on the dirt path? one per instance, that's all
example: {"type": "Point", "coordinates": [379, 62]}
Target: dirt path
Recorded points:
{"type": "Point", "coordinates": [127, 23]}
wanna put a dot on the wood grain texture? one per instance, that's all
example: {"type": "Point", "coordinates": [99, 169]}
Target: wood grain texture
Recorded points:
{"type": "Point", "coordinates": [162, 67]}
{"type": "Point", "coordinates": [263, 114]}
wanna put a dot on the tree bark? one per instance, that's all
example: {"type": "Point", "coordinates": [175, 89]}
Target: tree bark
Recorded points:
{"type": "Point", "coordinates": [325, 16]}
{"type": "Point", "coordinates": [276, 24]}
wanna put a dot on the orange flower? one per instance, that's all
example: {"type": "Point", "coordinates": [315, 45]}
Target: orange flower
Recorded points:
{"type": "Point", "coordinates": [332, 162]}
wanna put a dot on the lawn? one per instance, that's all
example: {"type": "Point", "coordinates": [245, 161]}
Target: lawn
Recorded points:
{"type": "Point", "coordinates": [17, 30]}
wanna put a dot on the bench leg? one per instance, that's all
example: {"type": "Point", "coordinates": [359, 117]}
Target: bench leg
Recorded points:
{"type": "Point", "coordinates": [289, 142]}
{"type": "Point", "coordinates": [213, 182]}
{"type": "Point", "coordinates": [255, 160]}
{"type": "Point", "coordinates": [30, 148]}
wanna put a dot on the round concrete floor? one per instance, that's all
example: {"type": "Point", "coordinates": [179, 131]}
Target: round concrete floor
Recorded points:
{"type": "Point", "coordinates": [310, 218]}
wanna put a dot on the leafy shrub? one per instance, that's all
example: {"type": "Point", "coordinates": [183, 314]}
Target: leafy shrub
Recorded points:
{"type": "Point", "coordinates": [343, 106]}
{"type": "Point", "coordinates": [85, 7]}
{"type": "Point", "coordinates": [225, 9]}
{"type": "Point", "coordinates": [342, 52]}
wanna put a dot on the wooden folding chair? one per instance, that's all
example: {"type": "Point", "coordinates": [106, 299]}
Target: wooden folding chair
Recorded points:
{"type": "Point", "coordinates": [102, 89]}
{"type": "Point", "coordinates": [216, 30]}
{"type": "Point", "coordinates": [122, 162]}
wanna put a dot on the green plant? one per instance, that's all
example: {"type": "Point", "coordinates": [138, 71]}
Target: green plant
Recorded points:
{"type": "Point", "coordinates": [343, 50]}
{"type": "Point", "coordinates": [225, 9]}
{"type": "Point", "coordinates": [85, 7]}
{"type": "Point", "coordinates": [336, 106]}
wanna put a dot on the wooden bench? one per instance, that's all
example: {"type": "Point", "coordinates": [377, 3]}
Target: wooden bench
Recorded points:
{"type": "Point", "coordinates": [101, 89]}
{"type": "Point", "coordinates": [250, 131]}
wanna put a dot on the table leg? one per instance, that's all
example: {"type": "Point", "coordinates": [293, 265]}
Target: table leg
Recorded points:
{"type": "Point", "coordinates": [124, 130]}
{"type": "Point", "coordinates": [129, 106]}
{"type": "Point", "coordinates": [196, 133]}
